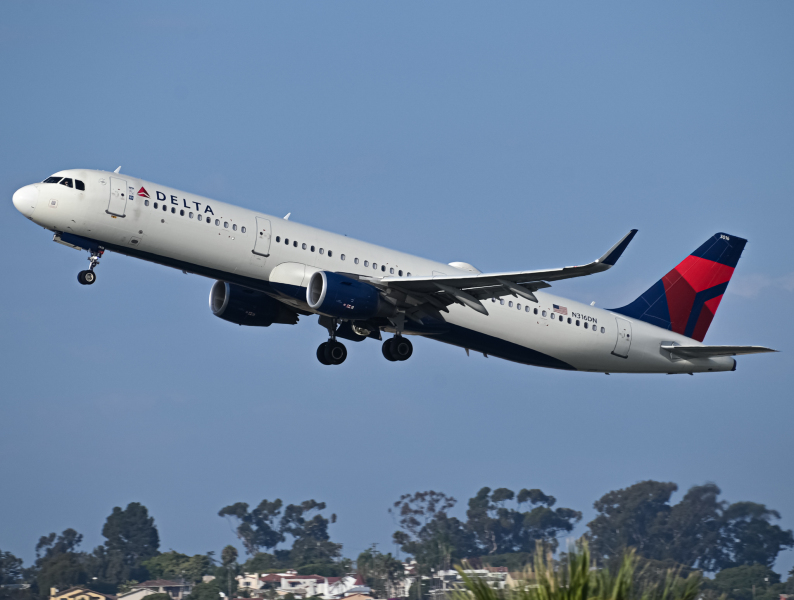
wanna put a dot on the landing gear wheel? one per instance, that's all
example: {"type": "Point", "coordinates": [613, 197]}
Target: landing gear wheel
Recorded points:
{"type": "Point", "coordinates": [401, 348]}
{"type": "Point", "coordinates": [335, 352]}
{"type": "Point", "coordinates": [386, 349]}
{"type": "Point", "coordinates": [321, 353]}
{"type": "Point", "coordinates": [86, 277]}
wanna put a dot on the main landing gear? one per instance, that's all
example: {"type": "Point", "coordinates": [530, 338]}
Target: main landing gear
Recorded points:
{"type": "Point", "coordinates": [331, 352]}
{"type": "Point", "coordinates": [88, 276]}
{"type": "Point", "coordinates": [397, 348]}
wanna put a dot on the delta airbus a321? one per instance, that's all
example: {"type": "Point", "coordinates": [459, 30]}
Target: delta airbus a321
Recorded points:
{"type": "Point", "coordinates": [271, 270]}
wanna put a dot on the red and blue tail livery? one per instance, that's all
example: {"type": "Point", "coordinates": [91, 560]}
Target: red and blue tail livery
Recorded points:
{"type": "Point", "coordinates": [686, 299]}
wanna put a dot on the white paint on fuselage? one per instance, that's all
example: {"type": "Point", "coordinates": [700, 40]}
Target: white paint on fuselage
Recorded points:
{"type": "Point", "coordinates": [169, 234]}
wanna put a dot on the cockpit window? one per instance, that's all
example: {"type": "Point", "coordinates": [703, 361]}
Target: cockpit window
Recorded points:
{"type": "Point", "coordinates": [79, 185]}
{"type": "Point", "coordinates": [52, 180]}
{"type": "Point", "coordinates": [66, 181]}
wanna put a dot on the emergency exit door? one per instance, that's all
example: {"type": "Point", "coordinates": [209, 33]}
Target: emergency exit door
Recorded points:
{"type": "Point", "coordinates": [118, 196]}
{"type": "Point", "coordinates": [624, 338]}
{"type": "Point", "coordinates": [263, 234]}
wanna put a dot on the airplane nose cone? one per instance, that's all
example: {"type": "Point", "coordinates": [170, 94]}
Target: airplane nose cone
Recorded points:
{"type": "Point", "coordinates": [25, 199]}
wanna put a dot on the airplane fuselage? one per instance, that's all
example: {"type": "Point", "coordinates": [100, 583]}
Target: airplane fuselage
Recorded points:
{"type": "Point", "coordinates": [221, 241]}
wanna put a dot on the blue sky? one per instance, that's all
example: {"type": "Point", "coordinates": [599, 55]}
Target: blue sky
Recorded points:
{"type": "Point", "coordinates": [511, 135]}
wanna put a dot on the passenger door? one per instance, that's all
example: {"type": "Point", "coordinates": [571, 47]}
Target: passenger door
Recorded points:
{"type": "Point", "coordinates": [118, 197]}
{"type": "Point", "coordinates": [624, 338]}
{"type": "Point", "coordinates": [263, 234]}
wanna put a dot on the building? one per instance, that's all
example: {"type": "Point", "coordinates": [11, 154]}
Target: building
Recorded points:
{"type": "Point", "coordinates": [301, 586]}
{"type": "Point", "coordinates": [176, 589]}
{"type": "Point", "coordinates": [78, 593]}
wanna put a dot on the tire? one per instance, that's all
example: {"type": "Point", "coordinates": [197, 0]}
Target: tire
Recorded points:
{"type": "Point", "coordinates": [80, 279]}
{"type": "Point", "coordinates": [386, 349]}
{"type": "Point", "coordinates": [89, 277]}
{"type": "Point", "coordinates": [401, 348]}
{"type": "Point", "coordinates": [335, 353]}
{"type": "Point", "coordinates": [321, 353]}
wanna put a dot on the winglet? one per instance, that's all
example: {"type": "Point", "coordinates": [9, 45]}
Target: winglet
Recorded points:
{"type": "Point", "coordinates": [613, 254]}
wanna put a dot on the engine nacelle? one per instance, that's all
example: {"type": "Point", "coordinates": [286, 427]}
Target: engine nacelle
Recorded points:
{"type": "Point", "coordinates": [244, 306]}
{"type": "Point", "coordinates": [344, 298]}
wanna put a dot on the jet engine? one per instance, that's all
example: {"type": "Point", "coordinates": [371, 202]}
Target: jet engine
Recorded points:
{"type": "Point", "coordinates": [244, 306]}
{"type": "Point", "coordinates": [344, 298]}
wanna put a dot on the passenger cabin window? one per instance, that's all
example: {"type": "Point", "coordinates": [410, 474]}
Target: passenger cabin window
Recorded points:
{"type": "Point", "coordinates": [146, 203]}
{"type": "Point", "coordinates": [278, 239]}
{"type": "Point", "coordinates": [355, 260]}
{"type": "Point", "coordinates": [66, 181]}
{"type": "Point", "coordinates": [400, 273]}
{"type": "Point", "coordinates": [52, 180]}
{"type": "Point", "coordinates": [242, 229]}
{"type": "Point", "coordinates": [322, 251]}
{"type": "Point", "coordinates": [391, 271]}
{"type": "Point", "coordinates": [156, 206]}
{"type": "Point", "coordinates": [217, 221]}
{"type": "Point", "coordinates": [342, 257]}
{"type": "Point", "coordinates": [295, 244]}
{"type": "Point", "coordinates": [330, 253]}
{"type": "Point", "coordinates": [199, 217]}
{"type": "Point", "coordinates": [383, 268]}
{"type": "Point", "coordinates": [165, 207]}
{"type": "Point", "coordinates": [234, 227]}
{"type": "Point", "coordinates": [366, 263]}
{"type": "Point", "coordinates": [303, 246]}
{"type": "Point", "coordinates": [190, 214]}
{"type": "Point", "coordinates": [226, 225]}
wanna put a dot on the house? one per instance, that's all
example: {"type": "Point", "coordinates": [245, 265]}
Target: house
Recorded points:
{"type": "Point", "coordinates": [176, 589]}
{"type": "Point", "coordinates": [301, 586]}
{"type": "Point", "coordinates": [78, 593]}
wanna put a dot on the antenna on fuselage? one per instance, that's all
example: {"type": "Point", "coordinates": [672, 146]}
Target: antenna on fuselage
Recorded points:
{"type": "Point", "coordinates": [117, 169]}
{"type": "Point", "coordinates": [286, 217]}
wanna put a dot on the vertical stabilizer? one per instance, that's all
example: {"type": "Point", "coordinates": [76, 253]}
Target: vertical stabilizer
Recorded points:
{"type": "Point", "coordinates": [686, 299]}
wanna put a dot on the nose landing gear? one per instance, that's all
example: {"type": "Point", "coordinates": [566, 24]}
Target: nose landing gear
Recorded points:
{"type": "Point", "coordinates": [88, 277]}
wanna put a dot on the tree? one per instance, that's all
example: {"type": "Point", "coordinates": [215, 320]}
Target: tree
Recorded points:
{"type": "Point", "coordinates": [60, 571]}
{"type": "Point", "coordinates": [226, 573]}
{"type": "Point", "coordinates": [10, 569]}
{"type": "Point", "coordinates": [434, 539]}
{"type": "Point", "coordinates": [132, 538]}
{"type": "Point", "coordinates": [748, 582]}
{"type": "Point", "coordinates": [205, 591]}
{"type": "Point", "coordinates": [748, 536]}
{"type": "Point", "coordinates": [381, 572]}
{"type": "Point", "coordinates": [258, 528]}
{"type": "Point", "coordinates": [700, 532]}
{"type": "Point", "coordinates": [630, 517]}
{"type": "Point", "coordinates": [58, 564]}
{"type": "Point", "coordinates": [174, 565]}
{"type": "Point", "coordinates": [500, 529]}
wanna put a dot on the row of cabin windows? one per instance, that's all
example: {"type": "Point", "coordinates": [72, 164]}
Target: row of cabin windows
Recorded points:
{"type": "Point", "coordinates": [341, 256]}
{"type": "Point", "coordinates": [67, 181]}
{"type": "Point", "coordinates": [544, 313]}
{"type": "Point", "coordinates": [190, 215]}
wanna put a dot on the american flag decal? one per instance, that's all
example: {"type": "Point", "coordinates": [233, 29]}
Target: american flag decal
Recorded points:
{"type": "Point", "coordinates": [560, 309]}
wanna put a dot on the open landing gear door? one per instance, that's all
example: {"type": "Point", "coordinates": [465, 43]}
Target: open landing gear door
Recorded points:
{"type": "Point", "coordinates": [262, 243]}
{"type": "Point", "coordinates": [624, 338]}
{"type": "Point", "coordinates": [118, 197]}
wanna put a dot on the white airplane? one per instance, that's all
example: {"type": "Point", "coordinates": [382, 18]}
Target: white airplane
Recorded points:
{"type": "Point", "coordinates": [270, 270]}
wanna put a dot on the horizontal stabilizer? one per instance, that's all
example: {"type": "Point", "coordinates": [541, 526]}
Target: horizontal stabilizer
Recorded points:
{"type": "Point", "coordinates": [713, 351]}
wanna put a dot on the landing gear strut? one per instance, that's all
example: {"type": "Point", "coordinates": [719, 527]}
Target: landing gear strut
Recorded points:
{"type": "Point", "coordinates": [332, 352]}
{"type": "Point", "coordinates": [88, 277]}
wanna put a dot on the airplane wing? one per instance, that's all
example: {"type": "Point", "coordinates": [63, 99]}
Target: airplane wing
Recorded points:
{"type": "Point", "coordinates": [468, 290]}
{"type": "Point", "coordinates": [713, 351]}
